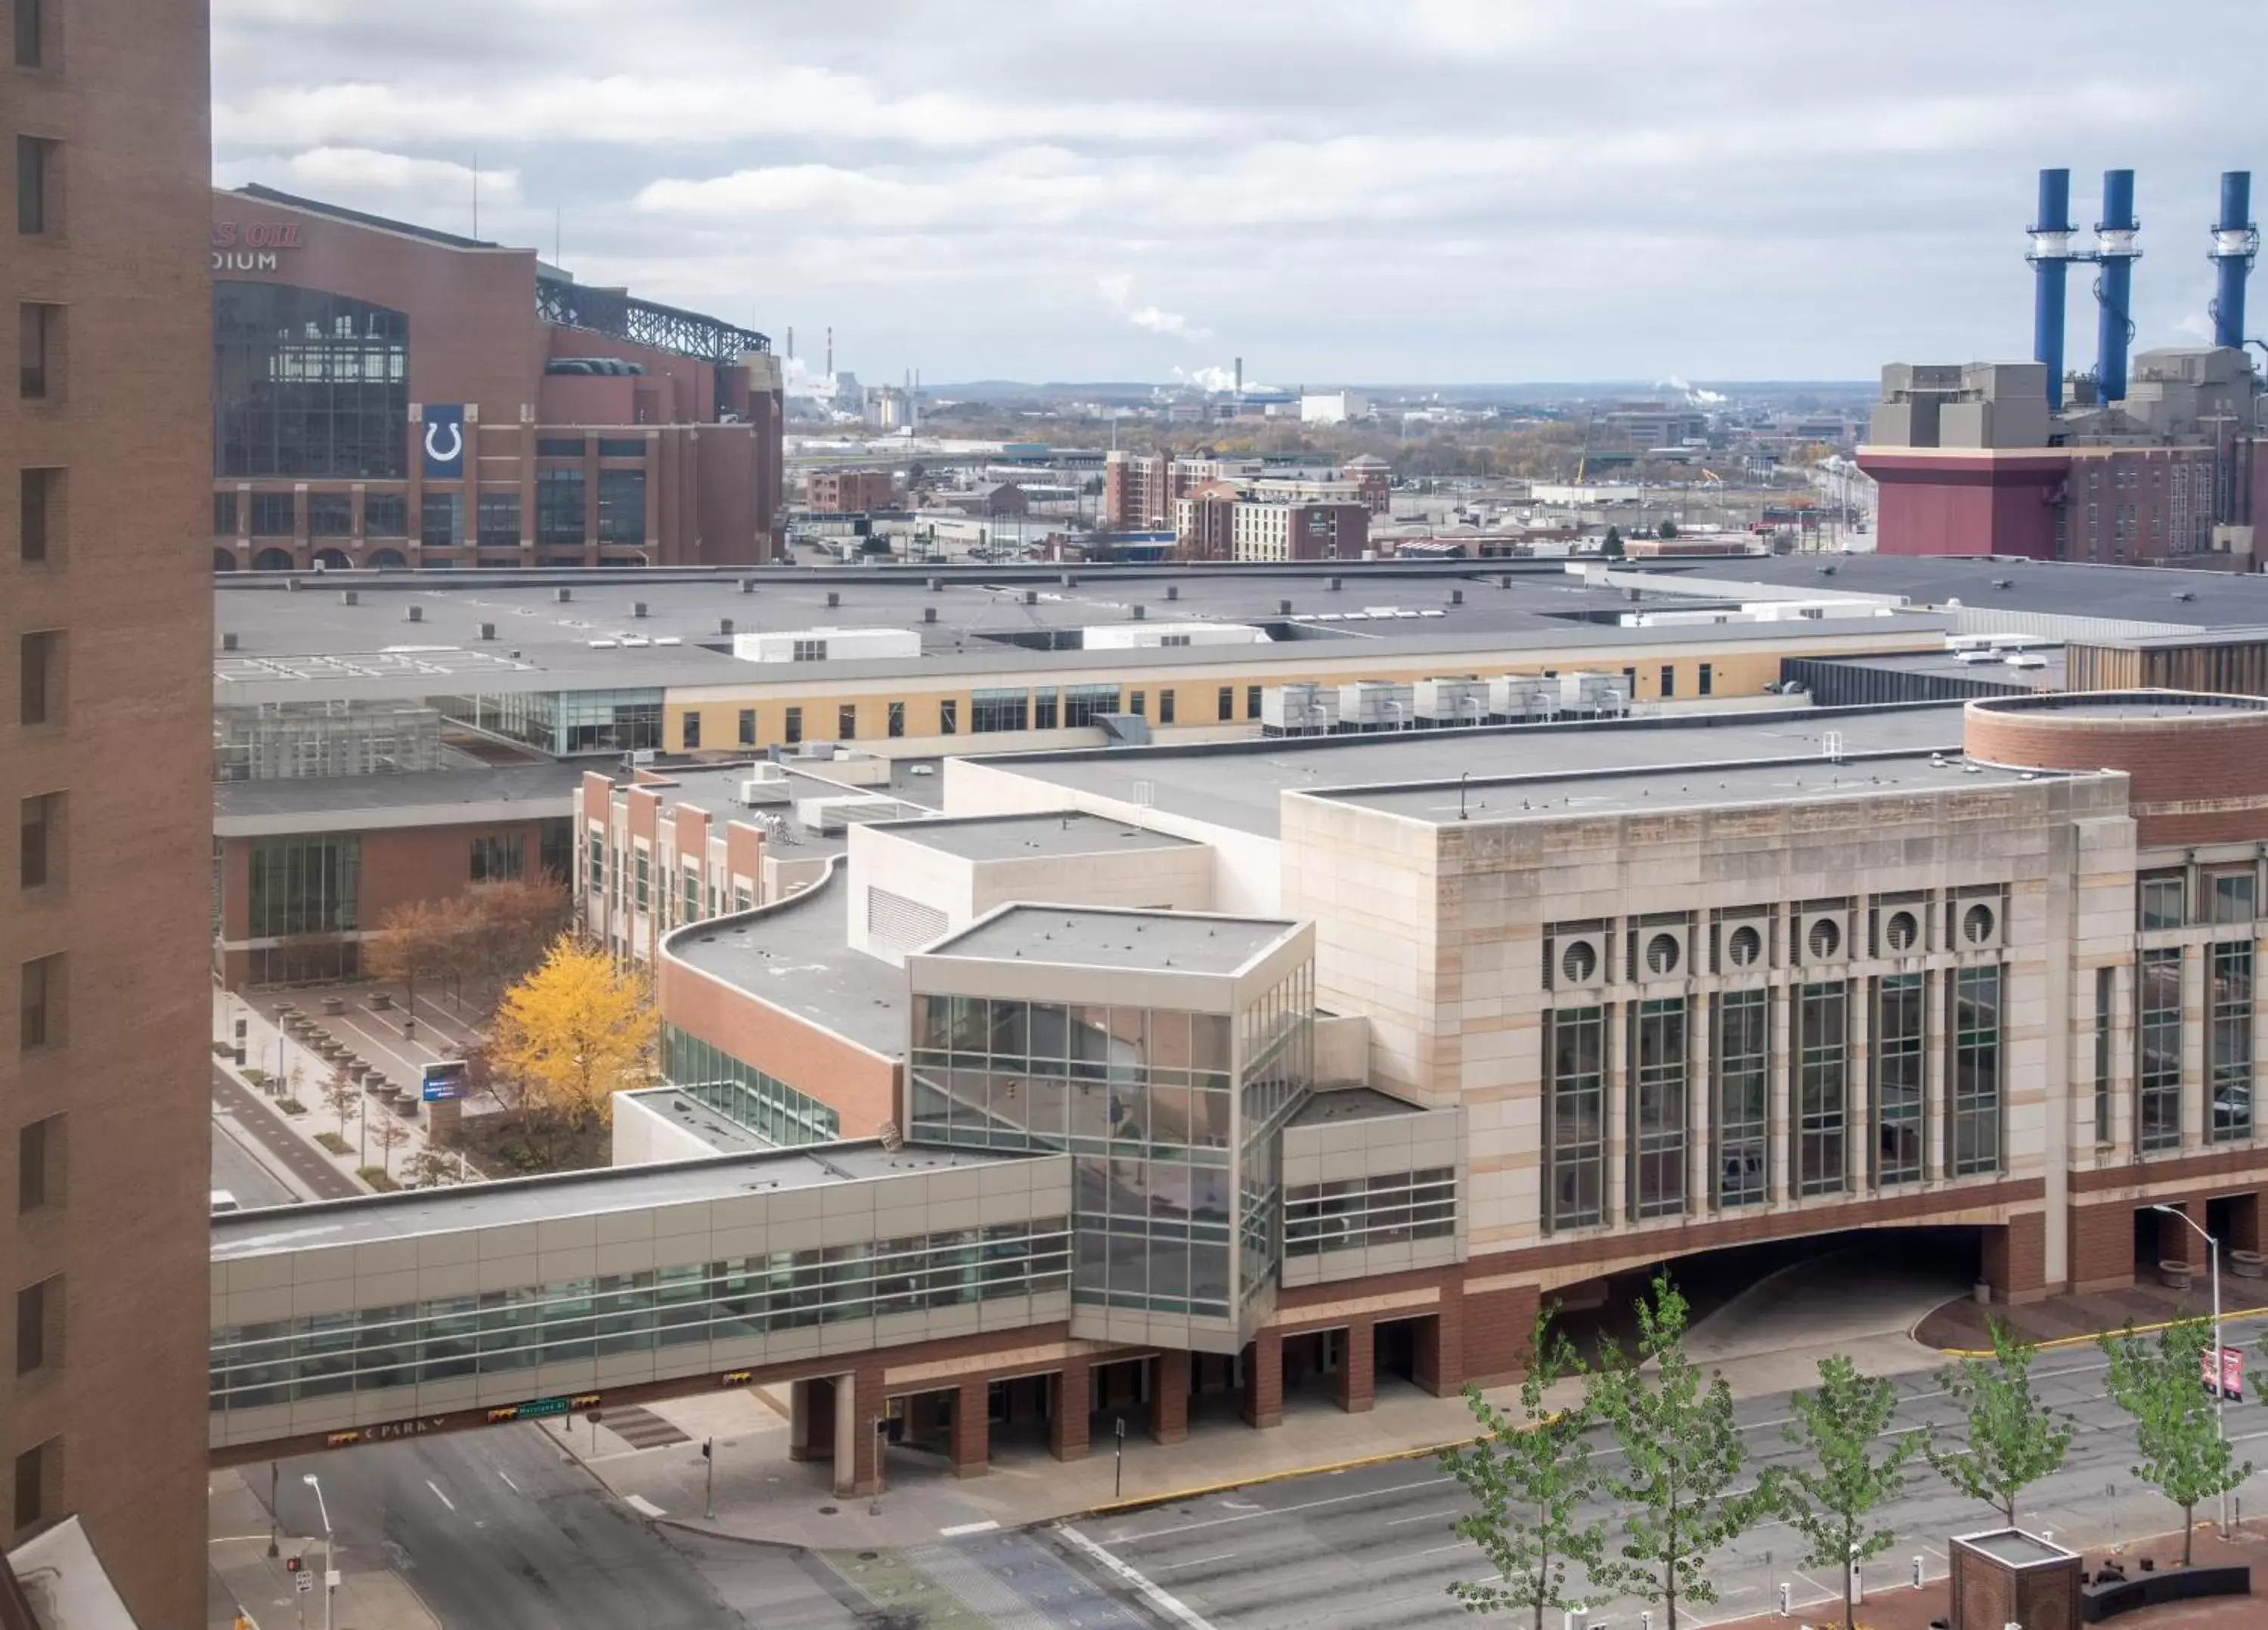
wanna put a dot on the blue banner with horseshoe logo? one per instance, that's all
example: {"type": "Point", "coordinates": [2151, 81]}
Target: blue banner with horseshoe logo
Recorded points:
{"type": "Point", "coordinates": [445, 441]}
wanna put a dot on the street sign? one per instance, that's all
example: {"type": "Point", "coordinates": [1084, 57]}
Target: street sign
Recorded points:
{"type": "Point", "coordinates": [2232, 1372]}
{"type": "Point", "coordinates": [443, 1079]}
{"type": "Point", "coordinates": [304, 1583]}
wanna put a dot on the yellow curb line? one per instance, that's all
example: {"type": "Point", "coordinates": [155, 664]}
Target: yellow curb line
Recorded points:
{"type": "Point", "coordinates": [2227, 1315]}
{"type": "Point", "coordinates": [1204, 1490]}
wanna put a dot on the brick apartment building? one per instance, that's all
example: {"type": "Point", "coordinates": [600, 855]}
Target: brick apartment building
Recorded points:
{"type": "Point", "coordinates": [105, 623]}
{"type": "Point", "coordinates": [468, 405]}
{"type": "Point", "coordinates": [850, 491]}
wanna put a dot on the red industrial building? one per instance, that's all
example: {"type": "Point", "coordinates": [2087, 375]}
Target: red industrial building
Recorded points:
{"type": "Point", "coordinates": [384, 394]}
{"type": "Point", "coordinates": [850, 491]}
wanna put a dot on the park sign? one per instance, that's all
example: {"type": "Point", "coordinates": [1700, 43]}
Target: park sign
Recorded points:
{"type": "Point", "coordinates": [445, 1079]}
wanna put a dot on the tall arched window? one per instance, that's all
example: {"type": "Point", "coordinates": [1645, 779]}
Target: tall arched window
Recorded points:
{"type": "Point", "coordinates": [307, 384]}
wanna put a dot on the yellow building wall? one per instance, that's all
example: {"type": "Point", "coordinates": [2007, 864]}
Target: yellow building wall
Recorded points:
{"type": "Point", "coordinates": [1734, 671]}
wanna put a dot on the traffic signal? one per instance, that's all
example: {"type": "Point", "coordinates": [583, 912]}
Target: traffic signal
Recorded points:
{"type": "Point", "coordinates": [705, 1449]}
{"type": "Point", "coordinates": [291, 1563]}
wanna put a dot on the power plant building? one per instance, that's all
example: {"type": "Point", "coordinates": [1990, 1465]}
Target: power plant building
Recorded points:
{"type": "Point", "coordinates": [2157, 462]}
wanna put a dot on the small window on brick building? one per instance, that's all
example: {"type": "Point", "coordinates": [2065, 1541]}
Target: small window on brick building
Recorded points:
{"type": "Point", "coordinates": [39, 514]}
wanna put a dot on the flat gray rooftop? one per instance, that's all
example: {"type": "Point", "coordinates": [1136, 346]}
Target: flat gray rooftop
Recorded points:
{"type": "Point", "coordinates": [1638, 792]}
{"type": "Point", "coordinates": [310, 646]}
{"type": "Point", "coordinates": [368, 1221]}
{"type": "Point", "coordinates": [2158, 595]}
{"type": "Point", "coordinates": [431, 798]}
{"type": "Point", "coordinates": [1240, 785]}
{"type": "Point", "coordinates": [797, 957]}
{"type": "Point", "coordinates": [1329, 1107]}
{"type": "Point", "coordinates": [2132, 706]}
{"type": "Point", "coordinates": [1031, 836]}
{"type": "Point", "coordinates": [1948, 665]}
{"type": "Point", "coordinates": [1142, 941]}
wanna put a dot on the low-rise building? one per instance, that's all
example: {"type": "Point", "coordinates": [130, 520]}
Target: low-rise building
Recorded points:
{"type": "Point", "coordinates": [850, 491]}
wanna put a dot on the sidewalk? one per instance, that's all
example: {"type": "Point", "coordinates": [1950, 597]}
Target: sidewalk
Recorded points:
{"type": "Point", "coordinates": [242, 1577]}
{"type": "Point", "coordinates": [1963, 1326]}
{"type": "Point", "coordinates": [1901, 1607]}
{"type": "Point", "coordinates": [374, 1037]}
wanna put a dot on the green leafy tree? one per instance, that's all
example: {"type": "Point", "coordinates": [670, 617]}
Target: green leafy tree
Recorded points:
{"type": "Point", "coordinates": [1612, 548]}
{"type": "Point", "coordinates": [1829, 1501]}
{"type": "Point", "coordinates": [1681, 1456]}
{"type": "Point", "coordinates": [2014, 1440]}
{"type": "Point", "coordinates": [2160, 1381]}
{"type": "Point", "coordinates": [1527, 1474]}
{"type": "Point", "coordinates": [1669, 530]}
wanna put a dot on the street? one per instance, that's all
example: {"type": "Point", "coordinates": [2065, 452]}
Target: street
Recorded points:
{"type": "Point", "coordinates": [1372, 1546]}
{"type": "Point", "coordinates": [497, 1530]}
{"type": "Point", "coordinates": [237, 1169]}
{"type": "Point", "coordinates": [255, 1119]}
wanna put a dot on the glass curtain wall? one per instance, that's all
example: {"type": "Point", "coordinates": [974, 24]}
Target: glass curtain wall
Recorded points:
{"type": "Point", "coordinates": [744, 1095]}
{"type": "Point", "coordinates": [1823, 1087]}
{"type": "Point", "coordinates": [1146, 1101]}
{"type": "Point", "coordinates": [1899, 1007]}
{"type": "Point", "coordinates": [1975, 1145]}
{"type": "Point", "coordinates": [1576, 1143]}
{"type": "Point", "coordinates": [2231, 1039]}
{"type": "Point", "coordinates": [1743, 1019]}
{"type": "Point", "coordinates": [2158, 1029]}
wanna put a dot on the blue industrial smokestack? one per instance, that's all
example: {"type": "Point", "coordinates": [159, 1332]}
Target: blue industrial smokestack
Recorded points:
{"type": "Point", "coordinates": [2236, 240]}
{"type": "Point", "coordinates": [2114, 288]}
{"type": "Point", "coordinates": [2050, 257]}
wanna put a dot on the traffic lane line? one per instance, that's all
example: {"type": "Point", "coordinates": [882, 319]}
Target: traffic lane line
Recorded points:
{"type": "Point", "coordinates": [299, 1157]}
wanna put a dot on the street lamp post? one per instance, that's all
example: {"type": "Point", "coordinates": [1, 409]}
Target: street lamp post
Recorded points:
{"type": "Point", "coordinates": [309, 1480]}
{"type": "Point", "coordinates": [2219, 1372]}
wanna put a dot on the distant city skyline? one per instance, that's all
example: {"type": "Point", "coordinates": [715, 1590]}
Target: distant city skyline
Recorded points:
{"type": "Point", "coordinates": [1446, 190]}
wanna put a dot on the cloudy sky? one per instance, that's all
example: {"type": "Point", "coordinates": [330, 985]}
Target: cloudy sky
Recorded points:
{"type": "Point", "coordinates": [1337, 190]}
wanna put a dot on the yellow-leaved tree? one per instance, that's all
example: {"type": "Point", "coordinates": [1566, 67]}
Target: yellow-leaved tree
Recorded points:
{"type": "Point", "coordinates": [568, 1036]}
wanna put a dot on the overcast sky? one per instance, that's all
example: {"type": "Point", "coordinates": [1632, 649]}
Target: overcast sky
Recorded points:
{"type": "Point", "coordinates": [1337, 190]}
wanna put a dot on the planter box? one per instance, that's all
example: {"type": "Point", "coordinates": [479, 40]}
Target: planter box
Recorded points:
{"type": "Point", "coordinates": [2174, 1275]}
{"type": "Point", "coordinates": [381, 999]}
{"type": "Point", "coordinates": [335, 1004]}
{"type": "Point", "coordinates": [2248, 1264]}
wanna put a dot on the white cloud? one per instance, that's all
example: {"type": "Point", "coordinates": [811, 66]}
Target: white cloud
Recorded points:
{"type": "Point", "coordinates": [1404, 189]}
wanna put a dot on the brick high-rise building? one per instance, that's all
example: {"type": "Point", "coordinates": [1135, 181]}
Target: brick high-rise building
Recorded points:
{"type": "Point", "coordinates": [105, 722]}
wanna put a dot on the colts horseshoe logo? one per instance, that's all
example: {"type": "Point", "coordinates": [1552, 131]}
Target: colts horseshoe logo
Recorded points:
{"type": "Point", "coordinates": [454, 450]}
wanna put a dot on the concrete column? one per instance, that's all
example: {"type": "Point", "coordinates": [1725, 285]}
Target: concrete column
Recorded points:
{"type": "Point", "coordinates": [1169, 1395]}
{"type": "Point", "coordinates": [1440, 1365]}
{"type": "Point", "coordinates": [1263, 1380]}
{"type": "Point", "coordinates": [1069, 1393]}
{"type": "Point", "coordinates": [1782, 1088]}
{"type": "Point", "coordinates": [972, 1428]}
{"type": "Point", "coordinates": [1357, 1376]}
{"type": "Point", "coordinates": [811, 1420]}
{"type": "Point", "coordinates": [855, 1455]}
{"type": "Point", "coordinates": [2243, 1223]}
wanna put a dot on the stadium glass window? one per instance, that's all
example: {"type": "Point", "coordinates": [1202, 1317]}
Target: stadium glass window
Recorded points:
{"type": "Point", "coordinates": [621, 506]}
{"type": "Point", "coordinates": [442, 519]}
{"type": "Point", "coordinates": [274, 514]}
{"type": "Point", "coordinates": [330, 514]}
{"type": "Point", "coordinates": [308, 383]}
{"type": "Point", "coordinates": [385, 515]}
{"type": "Point", "coordinates": [559, 506]}
{"type": "Point", "coordinates": [499, 520]}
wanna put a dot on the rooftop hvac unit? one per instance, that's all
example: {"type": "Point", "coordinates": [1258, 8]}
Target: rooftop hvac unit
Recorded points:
{"type": "Point", "coordinates": [1453, 701]}
{"type": "Point", "coordinates": [1518, 697]}
{"type": "Point", "coordinates": [829, 816]}
{"type": "Point", "coordinates": [1593, 693]}
{"type": "Point", "coordinates": [2025, 659]}
{"type": "Point", "coordinates": [1376, 704]}
{"type": "Point", "coordinates": [1971, 659]}
{"type": "Point", "coordinates": [1299, 709]}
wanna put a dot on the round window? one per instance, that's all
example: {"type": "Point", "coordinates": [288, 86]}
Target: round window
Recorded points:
{"type": "Point", "coordinates": [1824, 940]}
{"type": "Point", "coordinates": [1579, 963]}
{"type": "Point", "coordinates": [1976, 924]}
{"type": "Point", "coordinates": [1662, 953]}
{"type": "Point", "coordinates": [1746, 948]}
{"type": "Point", "coordinates": [1900, 931]}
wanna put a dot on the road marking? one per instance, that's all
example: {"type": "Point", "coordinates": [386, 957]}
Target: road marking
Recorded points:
{"type": "Point", "coordinates": [640, 1503]}
{"type": "Point", "coordinates": [439, 1495]}
{"type": "Point", "coordinates": [1198, 1561]}
{"type": "Point", "coordinates": [959, 1529]}
{"type": "Point", "coordinates": [1437, 1550]}
{"type": "Point", "coordinates": [1423, 1517]}
{"type": "Point", "coordinates": [1247, 1517]}
{"type": "Point", "coordinates": [1164, 1602]}
{"type": "Point", "coordinates": [508, 1483]}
